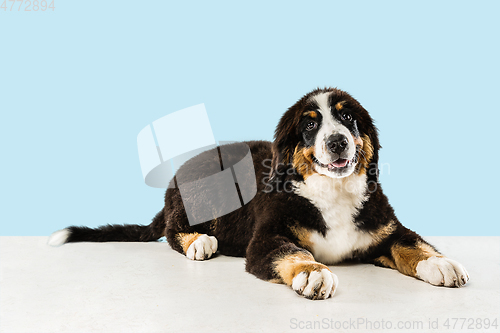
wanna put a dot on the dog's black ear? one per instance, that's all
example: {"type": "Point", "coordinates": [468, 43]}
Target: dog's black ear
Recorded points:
{"type": "Point", "coordinates": [373, 170]}
{"type": "Point", "coordinates": [286, 137]}
{"type": "Point", "coordinates": [371, 147]}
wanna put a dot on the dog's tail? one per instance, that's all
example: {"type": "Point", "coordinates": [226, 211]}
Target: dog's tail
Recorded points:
{"type": "Point", "coordinates": [111, 233]}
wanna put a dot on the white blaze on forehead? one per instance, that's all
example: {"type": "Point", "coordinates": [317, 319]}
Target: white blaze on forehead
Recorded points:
{"type": "Point", "coordinates": [328, 127]}
{"type": "Point", "coordinates": [322, 102]}
{"type": "Point", "coordinates": [328, 123]}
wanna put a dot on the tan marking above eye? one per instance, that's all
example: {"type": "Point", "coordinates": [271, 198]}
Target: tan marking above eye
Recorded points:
{"type": "Point", "coordinates": [339, 105]}
{"type": "Point", "coordinates": [311, 114]}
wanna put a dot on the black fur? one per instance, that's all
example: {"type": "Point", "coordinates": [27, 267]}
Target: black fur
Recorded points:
{"type": "Point", "coordinates": [118, 232]}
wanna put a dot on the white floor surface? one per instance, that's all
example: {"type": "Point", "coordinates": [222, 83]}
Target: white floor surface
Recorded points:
{"type": "Point", "coordinates": [148, 287]}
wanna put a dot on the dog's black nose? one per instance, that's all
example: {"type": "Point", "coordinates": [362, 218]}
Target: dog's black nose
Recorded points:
{"type": "Point", "coordinates": [337, 143]}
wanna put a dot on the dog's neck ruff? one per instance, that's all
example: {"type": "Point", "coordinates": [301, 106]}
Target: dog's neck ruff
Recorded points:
{"type": "Point", "coordinates": [324, 191]}
{"type": "Point", "coordinates": [338, 200]}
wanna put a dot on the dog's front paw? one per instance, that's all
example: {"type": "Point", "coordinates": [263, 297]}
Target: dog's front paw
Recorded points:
{"type": "Point", "coordinates": [202, 248]}
{"type": "Point", "coordinates": [315, 284]}
{"type": "Point", "coordinates": [441, 271]}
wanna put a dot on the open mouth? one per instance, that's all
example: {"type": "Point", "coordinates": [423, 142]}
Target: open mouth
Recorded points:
{"type": "Point", "coordinates": [337, 164]}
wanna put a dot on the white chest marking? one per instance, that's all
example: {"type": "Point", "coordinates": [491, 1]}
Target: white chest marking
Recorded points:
{"type": "Point", "coordinates": [338, 200]}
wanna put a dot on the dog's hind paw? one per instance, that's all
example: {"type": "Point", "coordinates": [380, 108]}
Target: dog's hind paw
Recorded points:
{"type": "Point", "coordinates": [202, 248]}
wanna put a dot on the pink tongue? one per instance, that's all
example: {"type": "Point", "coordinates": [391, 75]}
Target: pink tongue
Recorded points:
{"type": "Point", "coordinates": [340, 163]}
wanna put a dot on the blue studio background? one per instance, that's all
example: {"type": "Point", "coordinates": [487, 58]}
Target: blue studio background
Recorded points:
{"type": "Point", "coordinates": [77, 84]}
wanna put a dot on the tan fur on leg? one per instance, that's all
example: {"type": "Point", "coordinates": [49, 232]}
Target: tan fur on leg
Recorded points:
{"type": "Point", "coordinates": [186, 239]}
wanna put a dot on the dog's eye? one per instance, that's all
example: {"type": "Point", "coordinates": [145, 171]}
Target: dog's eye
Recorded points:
{"type": "Point", "coordinates": [311, 125]}
{"type": "Point", "coordinates": [346, 116]}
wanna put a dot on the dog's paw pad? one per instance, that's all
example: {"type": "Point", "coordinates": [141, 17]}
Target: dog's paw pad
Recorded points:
{"type": "Point", "coordinates": [441, 271]}
{"type": "Point", "coordinates": [202, 248]}
{"type": "Point", "coordinates": [315, 284]}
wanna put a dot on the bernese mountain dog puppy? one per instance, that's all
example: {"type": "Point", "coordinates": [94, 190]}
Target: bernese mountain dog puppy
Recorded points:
{"type": "Point", "coordinates": [318, 202]}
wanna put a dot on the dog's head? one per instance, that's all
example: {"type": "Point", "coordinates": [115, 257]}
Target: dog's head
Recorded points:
{"type": "Point", "coordinates": [327, 132]}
